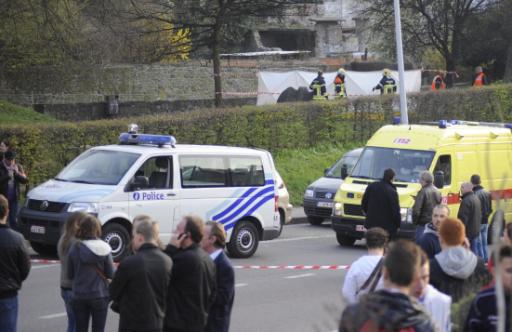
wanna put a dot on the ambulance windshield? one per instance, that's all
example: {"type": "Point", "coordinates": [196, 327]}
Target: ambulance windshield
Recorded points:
{"type": "Point", "coordinates": [407, 164]}
{"type": "Point", "coordinates": [98, 167]}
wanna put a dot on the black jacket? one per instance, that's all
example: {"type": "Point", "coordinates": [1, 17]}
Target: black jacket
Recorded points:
{"type": "Point", "coordinates": [4, 180]}
{"type": "Point", "coordinates": [470, 213]}
{"type": "Point", "coordinates": [485, 202]}
{"type": "Point", "coordinates": [428, 197]}
{"type": "Point", "coordinates": [429, 241]}
{"type": "Point", "coordinates": [483, 314]}
{"type": "Point", "coordinates": [458, 272]}
{"type": "Point", "coordinates": [220, 313]}
{"type": "Point", "coordinates": [140, 288]}
{"type": "Point", "coordinates": [14, 262]}
{"type": "Point", "coordinates": [385, 311]}
{"type": "Point", "coordinates": [192, 288]}
{"type": "Point", "coordinates": [381, 206]}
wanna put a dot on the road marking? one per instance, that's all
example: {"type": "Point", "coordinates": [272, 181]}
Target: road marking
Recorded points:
{"type": "Point", "coordinates": [305, 275]}
{"type": "Point", "coordinates": [42, 266]}
{"type": "Point", "coordinates": [60, 314]}
{"type": "Point", "coordinates": [298, 239]}
{"type": "Point", "coordinates": [240, 285]}
{"type": "Point", "coordinates": [292, 267]}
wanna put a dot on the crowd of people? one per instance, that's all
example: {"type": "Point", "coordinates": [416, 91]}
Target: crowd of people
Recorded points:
{"type": "Point", "coordinates": [410, 285]}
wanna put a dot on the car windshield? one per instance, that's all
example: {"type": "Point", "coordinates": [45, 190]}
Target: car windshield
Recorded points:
{"type": "Point", "coordinates": [407, 164]}
{"type": "Point", "coordinates": [335, 170]}
{"type": "Point", "coordinates": [98, 167]}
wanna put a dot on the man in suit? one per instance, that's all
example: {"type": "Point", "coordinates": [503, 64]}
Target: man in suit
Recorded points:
{"type": "Point", "coordinates": [213, 243]}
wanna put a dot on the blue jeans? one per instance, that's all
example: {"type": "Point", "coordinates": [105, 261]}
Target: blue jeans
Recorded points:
{"type": "Point", "coordinates": [419, 232]}
{"type": "Point", "coordinates": [483, 241]}
{"type": "Point", "coordinates": [13, 211]}
{"type": "Point", "coordinates": [476, 246]}
{"type": "Point", "coordinates": [67, 295]}
{"type": "Point", "coordinates": [8, 314]}
{"type": "Point", "coordinates": [90, 308]}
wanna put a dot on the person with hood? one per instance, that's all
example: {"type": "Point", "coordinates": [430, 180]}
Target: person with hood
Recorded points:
{"type": "Point", "coordinates": [428, 197]}
{"type": "Point", "coordinates": [381, 206]}
{"type": "Point", "coordinates": [429, 241]}
{"type": "Point", "coordinates": [90, 269]}
{"type": "Point", "coordinates": [470, 213]}
{"type": "Point", "coordinates": [456, 271]}
{"type": "Point", "coordinates": [391, 308]}
{"type": "Point", "coordinates": [486, 204]}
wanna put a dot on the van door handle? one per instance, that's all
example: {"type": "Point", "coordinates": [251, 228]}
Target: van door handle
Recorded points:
{"type": "Point", "coordinates": [171, 194]}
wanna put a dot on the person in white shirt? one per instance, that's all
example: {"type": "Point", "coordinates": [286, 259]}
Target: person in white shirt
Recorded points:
{"type": "Point", "coordinates": [365, 271]}
{"type": "Point", "coordinates": [437, 304]}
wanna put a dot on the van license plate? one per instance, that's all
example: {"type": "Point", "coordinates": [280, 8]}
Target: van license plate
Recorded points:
{"type": "Point", "coordinates": [360, 228]}
{"type": "Point", "coordinates": [324, 204]}
{"type": "Point", "coordinates": [37, 229]}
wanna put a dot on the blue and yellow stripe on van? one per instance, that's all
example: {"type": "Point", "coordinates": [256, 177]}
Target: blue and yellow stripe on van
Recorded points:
{"type": "Point", "coordinates": [249, 201]}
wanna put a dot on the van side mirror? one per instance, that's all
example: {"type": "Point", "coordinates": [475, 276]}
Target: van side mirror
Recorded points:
{"type": "Point", "coordinates": [139, 182]}
{"type": "Point", "coordinates": [344, 171]}
{"type": "Point", "coordinates": [326, 171]}
{"type": "Point", "coordinates": [439, 179]}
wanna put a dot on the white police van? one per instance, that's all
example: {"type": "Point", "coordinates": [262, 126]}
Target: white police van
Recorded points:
{"type": "Point", "coordinates": [150, 174]}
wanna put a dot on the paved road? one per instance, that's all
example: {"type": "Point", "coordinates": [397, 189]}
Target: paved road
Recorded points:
{"type": "Point", "coordinates": [266, 299]}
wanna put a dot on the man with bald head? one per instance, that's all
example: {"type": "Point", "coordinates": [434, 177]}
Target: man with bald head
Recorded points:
{"type": "Point", "coordinates": [470, 213]}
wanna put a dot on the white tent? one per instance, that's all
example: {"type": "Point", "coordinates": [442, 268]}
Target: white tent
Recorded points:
{"type": "Point", "coordinates": [357, 83]}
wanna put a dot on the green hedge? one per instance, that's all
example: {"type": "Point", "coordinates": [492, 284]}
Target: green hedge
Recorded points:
{"type": "Point", "coordinates": [45, 149]}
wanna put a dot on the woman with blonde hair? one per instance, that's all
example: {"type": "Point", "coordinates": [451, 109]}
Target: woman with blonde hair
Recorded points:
{"type": "Point", "coordinates": [66, 241]}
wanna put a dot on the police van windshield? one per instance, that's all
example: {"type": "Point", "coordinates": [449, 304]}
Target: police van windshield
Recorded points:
{"type": "Point", "coordinates": [407, 164]}
{"type": "Point", "coordinates": [335, 170]}
{"type": "Point", "coordinates": [98, 167]}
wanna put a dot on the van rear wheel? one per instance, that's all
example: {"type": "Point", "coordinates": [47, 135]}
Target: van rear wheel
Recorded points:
{"type": "Point", "coordinates": [244, 240]}
{"type": "Point", "coordinates": [345, 240]}
{"type": "Point", "coordinates": [315, 221]}
{"type": "Point", "coordinates": [44, 249]}
{"type": "Point", "coordinates": [119, 240]}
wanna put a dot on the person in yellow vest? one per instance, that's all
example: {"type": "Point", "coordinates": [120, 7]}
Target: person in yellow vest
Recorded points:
{"type": "Point", "coordinates": [339, 84]}
{"type": "Point", "coordinates": [387, 84]}
{"type": "Point", "coordinates": [480, 78]}
{"type": "Point", "coordinates": [318, 87]}
{"type": "Point", "coordinates": [438, 82]}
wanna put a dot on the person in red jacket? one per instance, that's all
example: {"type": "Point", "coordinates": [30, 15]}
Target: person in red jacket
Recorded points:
{"type": "Point", "coordinates": [480, 79]}
{"type": "Point", "coordinates": [438, 82]}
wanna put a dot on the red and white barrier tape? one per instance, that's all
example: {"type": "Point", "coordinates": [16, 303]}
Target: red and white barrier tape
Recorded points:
{"type": "Point", "coordinates": [292, 267]}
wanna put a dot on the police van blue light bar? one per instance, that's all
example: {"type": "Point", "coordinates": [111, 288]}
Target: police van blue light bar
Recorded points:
{"type": "Point", "coordinates": [396, 120]}
{"type": "Point", "coordinates": [442, 124]}
{"type": "Point", "coordinates": [147, 139]}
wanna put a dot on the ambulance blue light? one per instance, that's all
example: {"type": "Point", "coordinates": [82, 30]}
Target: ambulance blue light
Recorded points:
{"type": "Point", "coordinates": [442, 124]}
{"type": "Point", "coordinates": [396, 120]}
{"type": "Point", "coordinates": [147, 139]}
{"type": "Point", "coordinates": [508, 125]}
{"type": "Point", "coordinates": [455, 122]}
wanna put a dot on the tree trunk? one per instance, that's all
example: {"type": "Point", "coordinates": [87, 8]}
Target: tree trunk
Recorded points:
{"type": "Point", "coordinates": [450, 69]}
{"type": "Point", "coordinates": [508, 65]}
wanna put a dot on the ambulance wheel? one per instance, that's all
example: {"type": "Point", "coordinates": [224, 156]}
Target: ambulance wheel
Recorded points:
{"type": "Point", "coordinates": [119, 240]}
{"type": "Point", "coordinates": [315, 221]}
{"type": "Point", "coordinates": [282, 221]}
{"type": "Point", "coordinates": [44, 249]}
{"type": "Point", "coordinates": [345, 240]}
{"type": "Point", "coordinates": [244, 240]}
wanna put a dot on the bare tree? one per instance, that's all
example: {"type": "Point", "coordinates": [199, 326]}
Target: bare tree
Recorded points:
{"type": "Point", "coordinates": [208, 22]}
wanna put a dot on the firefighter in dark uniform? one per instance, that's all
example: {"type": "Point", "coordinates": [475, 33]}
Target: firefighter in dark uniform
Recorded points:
{"type": "Point", "coordinates": [318, 87]}
{"type": "Point", "coordinates": [387, 84]}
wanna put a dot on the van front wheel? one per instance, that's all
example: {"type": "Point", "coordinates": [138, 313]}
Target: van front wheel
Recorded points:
{"type": "Point", "coordinates": [119, 240]}
{"type": "Point", "coordinates": [244, 240]}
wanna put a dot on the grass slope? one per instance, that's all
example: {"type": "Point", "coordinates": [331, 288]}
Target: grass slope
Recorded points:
{"type": "Point", "coordinates": [11, 114]}
{"type": "Point", "coordinates": [300, 167]}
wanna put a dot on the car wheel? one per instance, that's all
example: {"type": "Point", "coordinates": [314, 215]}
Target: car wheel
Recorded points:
{"type": "Point", "coordinates": [118, 238]}
{"type": "Point", "coordinates": [345, 240]}
{"type": "Point", "coordinates": [244, 240]}
{"type": "Point", "coordinates": [315, 220]}
{"type": "Point", "coordinates": [44, 249]}
{"type": "Point", "coordinates": [282, 221]}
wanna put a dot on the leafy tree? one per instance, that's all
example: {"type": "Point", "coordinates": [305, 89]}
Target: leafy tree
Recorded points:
{"type": "Point", "coordinates": [209, 22]}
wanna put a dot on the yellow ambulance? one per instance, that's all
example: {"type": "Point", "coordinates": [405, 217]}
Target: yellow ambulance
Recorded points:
{"type": "Point", "coordinates": [451, 150]}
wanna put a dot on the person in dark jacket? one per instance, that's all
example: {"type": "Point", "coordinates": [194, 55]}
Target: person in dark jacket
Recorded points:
{"type": "Point", "coordinates": [456, 271]}
{"type": "Point", "coordinates": [14, 269]}
{"type": "Point", "coordinates": [486, 204]}
{"type": "Point", "coordinates": [483, 313]}
{"type": "Point", "coordinates": [470, 213]}
{"type": "Point", "coordinates": [214, 242]}
{"type": "Point", "coordinates": [387, 84]}
{"type": "Point", "coordinates": [429, 241]}
{"type": "Point", "coordinates": [381, 206]}
{"type": "Point", "coordinates": [141, 282]}
{"type": "Point", "coordinates": [90, 267]}
{"type": "Point", "coordinates": [392, 308]}
{"type": "Point", "coordinates": [192, 289]}
{"type": "Point", "coordinates": [318, 87]}
{"type": "Point", "coordinates": [11, 176]}
{"type": "Point", "coordinates": [428, 197]}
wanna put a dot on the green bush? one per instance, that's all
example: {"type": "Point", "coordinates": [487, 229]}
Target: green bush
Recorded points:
{"type": "Point", "coordinates": [45, 148]}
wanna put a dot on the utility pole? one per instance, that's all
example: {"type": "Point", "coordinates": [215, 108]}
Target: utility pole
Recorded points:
{"type": "Point", "coordinates": [404, 118]}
